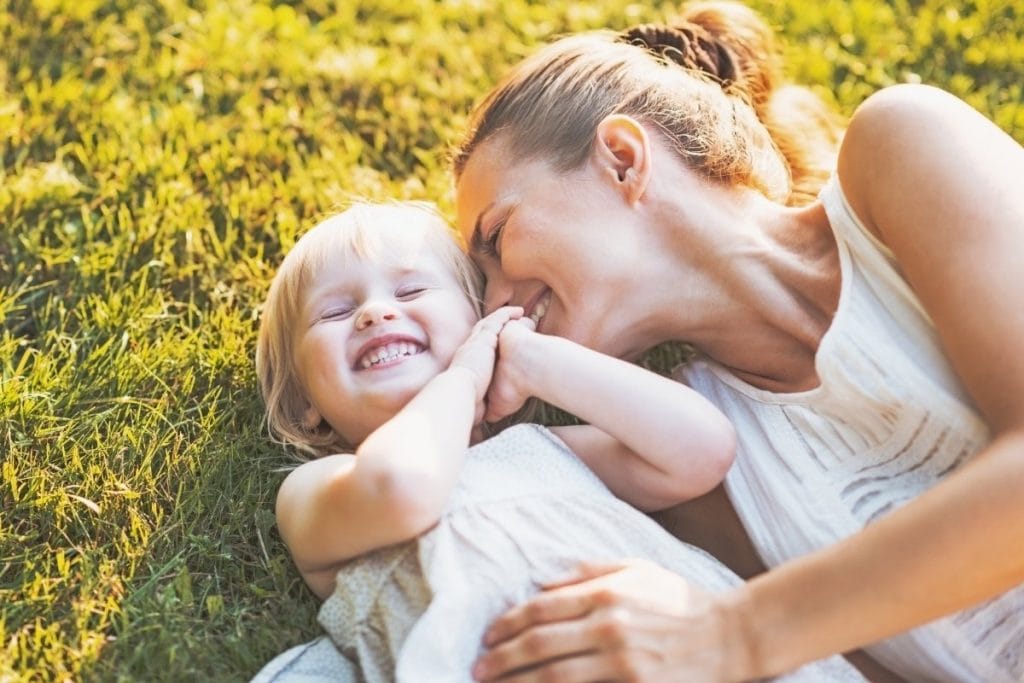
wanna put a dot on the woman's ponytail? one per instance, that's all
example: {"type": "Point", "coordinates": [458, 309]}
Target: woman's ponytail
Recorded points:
{"type": "Point", "coordinates": [731, 44]}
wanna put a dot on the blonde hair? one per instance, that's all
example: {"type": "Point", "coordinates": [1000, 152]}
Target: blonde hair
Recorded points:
{"type": "Point", "coordinates": [335, 242]}
{"type": "Point", "coordinates": [709, 84]}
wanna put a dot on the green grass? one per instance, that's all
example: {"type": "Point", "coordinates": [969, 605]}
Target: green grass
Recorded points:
{"type": "Point", "coordinates": [158, 159]}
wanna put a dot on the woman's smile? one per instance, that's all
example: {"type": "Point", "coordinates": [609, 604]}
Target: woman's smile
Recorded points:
{"type": "Point", "coordinates": [539, 308]}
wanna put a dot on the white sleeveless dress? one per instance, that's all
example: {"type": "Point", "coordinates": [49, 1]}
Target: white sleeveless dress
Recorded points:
{"type": "Point", "coordinates": [525, 511]}
{"type": "Point", "coordinates": [888, 421]}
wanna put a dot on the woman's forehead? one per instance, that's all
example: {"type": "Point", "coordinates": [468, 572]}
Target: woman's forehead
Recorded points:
{"type": "Point", "coordinates": [489, 179]}
{"type": "Point", "coordinates": [493, 182]}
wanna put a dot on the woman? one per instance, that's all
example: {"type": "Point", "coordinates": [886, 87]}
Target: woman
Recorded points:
{"type": "Point", "coordinates": [863, 344]}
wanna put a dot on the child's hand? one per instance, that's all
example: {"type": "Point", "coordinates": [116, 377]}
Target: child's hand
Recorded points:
{"type": "Point", "coordinates": [510, 385]}
{"type": "Point", "coordinates": [477, 353]}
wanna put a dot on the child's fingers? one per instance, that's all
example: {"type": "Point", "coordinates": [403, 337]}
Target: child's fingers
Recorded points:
{"type": "Point", "coordinates": [490, 327]}
{"type": "Point", "coordinates": [518, 325]}
{"type": "Point", "coordinates": [506, 313]}
{"type": "Point", "coordinates": [496, 320]}
{"type": "Point", "coordinates": [524, 322]}
{"type": "Point", "coordinates": [478, 351]}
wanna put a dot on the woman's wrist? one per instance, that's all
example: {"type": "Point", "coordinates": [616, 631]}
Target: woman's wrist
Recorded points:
{"type": "Point", "coordinates": [762, 630]}
{"type": "Point", "coordinates": [742, 660]}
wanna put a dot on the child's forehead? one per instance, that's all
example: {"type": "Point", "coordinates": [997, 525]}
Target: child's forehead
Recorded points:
{"type": "Point", "coordinates": [392, 245]}
{"type": "Point", "coordinates": [398, 259]}
{"type": "Point", "coordinates": [383, 247]}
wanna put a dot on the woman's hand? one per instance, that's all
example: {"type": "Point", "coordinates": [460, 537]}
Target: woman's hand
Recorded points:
{"type": "Point", "coordinates": [633, 621]}
{"type": "Point", "coordinates": [509, 388]}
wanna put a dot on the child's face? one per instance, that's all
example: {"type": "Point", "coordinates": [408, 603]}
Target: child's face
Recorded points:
{"type": "Point", "coordinates": [372, 334]}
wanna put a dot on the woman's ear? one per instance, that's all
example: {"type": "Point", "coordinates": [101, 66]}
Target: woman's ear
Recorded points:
{"type": "Point", "coordinates": [623, 152]}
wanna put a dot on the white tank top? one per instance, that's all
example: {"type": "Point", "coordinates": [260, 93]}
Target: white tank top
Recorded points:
{"type": "Point", "coordinates": [888, 420]}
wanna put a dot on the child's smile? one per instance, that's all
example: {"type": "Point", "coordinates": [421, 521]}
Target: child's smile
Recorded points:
{"type": "Point", "coordinates": [387, 351]}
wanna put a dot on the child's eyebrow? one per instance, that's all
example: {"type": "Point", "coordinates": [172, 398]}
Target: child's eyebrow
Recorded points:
{"type": "Point", "coordinates": [317, 297]}
{"type": "Point", "coordinates": [405, 271]}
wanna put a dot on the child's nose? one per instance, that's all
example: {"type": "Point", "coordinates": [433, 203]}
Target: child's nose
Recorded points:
{"type": "Point", "coordinates": [374, 313]}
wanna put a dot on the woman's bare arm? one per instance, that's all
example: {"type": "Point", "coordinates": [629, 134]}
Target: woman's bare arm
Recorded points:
{"type": "Point", "coordinates": [940, 185]}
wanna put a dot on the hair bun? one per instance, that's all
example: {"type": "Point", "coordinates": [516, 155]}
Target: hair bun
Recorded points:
{"type": "Point", "coordinates": [690, 46]}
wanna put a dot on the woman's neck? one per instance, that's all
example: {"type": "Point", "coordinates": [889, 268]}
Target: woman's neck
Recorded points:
{"type": "Point", "coordinates": [752, 284]}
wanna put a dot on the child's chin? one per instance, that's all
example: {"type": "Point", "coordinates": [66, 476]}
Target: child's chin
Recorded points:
{"type": "Point", "coordinates": [402, 390]}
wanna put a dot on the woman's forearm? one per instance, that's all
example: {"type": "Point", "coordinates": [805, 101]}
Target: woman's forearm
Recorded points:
{"type": "Point", "coordinates": [954, 546]}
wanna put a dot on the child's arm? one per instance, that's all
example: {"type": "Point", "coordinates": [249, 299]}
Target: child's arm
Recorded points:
{"type": "Point", "coordinates": [397, 484]}
{"type": "Point", "coordinates": [653, 441]}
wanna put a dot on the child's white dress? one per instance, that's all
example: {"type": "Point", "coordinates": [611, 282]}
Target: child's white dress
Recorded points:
{"type": "Point", "coordinates": [525, 511]}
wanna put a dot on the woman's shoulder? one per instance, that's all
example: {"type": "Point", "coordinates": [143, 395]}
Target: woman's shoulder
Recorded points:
{"type": "Point", "coordinates": [900, 112]}
{"type": "Point", "coordinates": [898, 98]}
{"type": "Point", "coordinates": [905, 143]}
{"type": "Point", "coordinates": [887, 125]}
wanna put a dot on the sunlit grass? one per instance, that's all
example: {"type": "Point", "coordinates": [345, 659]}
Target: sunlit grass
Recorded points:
{"type": "Point", "coordinates": [157, 162]}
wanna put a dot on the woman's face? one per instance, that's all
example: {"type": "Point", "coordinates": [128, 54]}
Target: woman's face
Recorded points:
{"type": "Point", "coordinates": [565, 247]}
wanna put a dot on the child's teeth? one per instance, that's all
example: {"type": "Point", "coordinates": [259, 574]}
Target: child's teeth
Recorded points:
{"type": "Point", "coordinates": [389, 352]}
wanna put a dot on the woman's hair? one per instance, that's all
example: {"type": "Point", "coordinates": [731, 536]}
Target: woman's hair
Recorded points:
{"type": "Point", "coordinates": [710, 83]}
{"type": "Point", "coordinates": [335, 243]}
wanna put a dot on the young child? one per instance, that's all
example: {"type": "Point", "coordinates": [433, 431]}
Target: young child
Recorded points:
{"type": "Point", "coordinates": [371, 341]}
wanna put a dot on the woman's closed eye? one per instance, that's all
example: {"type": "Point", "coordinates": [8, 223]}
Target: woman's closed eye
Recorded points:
{"type": "Point", "coordinates": [491, 245]}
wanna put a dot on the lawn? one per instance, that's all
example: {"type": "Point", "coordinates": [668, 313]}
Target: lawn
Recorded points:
{"type": "Point", "coordinates": [158, 160]}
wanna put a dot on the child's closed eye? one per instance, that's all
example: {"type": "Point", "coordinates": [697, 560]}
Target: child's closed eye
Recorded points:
{"type": "Point", "coordinates": [339, 313]}
{"type": "Point", "coordinates": [410, 292]}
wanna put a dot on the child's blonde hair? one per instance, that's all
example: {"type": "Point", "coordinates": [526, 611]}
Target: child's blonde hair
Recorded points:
{"type": "Point", "coordinates": [334, 243]}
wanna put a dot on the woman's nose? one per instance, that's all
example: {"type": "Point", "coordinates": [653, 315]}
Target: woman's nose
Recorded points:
{"type": "Point", "coordinates": [497, 292]}
{"type": "Point", "coordinates": [375, 313]}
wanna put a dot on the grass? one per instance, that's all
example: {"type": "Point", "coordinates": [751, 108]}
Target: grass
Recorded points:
{"type": "Point", "coordinates": [157, 161]}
